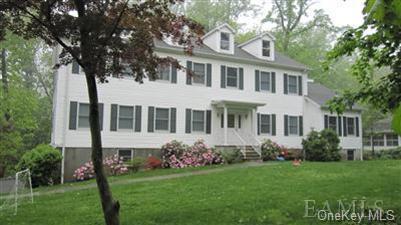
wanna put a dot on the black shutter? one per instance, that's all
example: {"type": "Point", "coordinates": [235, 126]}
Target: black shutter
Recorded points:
{"type": "Point", "coordinates": [241, 78]}
{"type": "Point", "coordinates": [208, 121]}
{"type": "Point", "coordinates": [273, 124]}
{"type": "Point", "coordinates": [173, 74]}
{"type": "Point", "coordinates": [189, 72]}
{"type": "Point", "coordinates": [285, 83]}
{"type": "Point", "coordinates": [257, 80]}
{"type": "Point", "coordinates": [100, 108]}
{"type": "Point", "coordinates": [340, 129]}
{"type": "Point", "coordinates": [258, 123]}
{"type": "Point", "coordinates": [188, 115]}
{"type": "Point", "coordinates": [345, 126]}
{"type": "Point", "coordinates": [326, 121]}
{"type": "Point", "coordinates": [301, 126]}
{"type": "Point", "coordinates": [285, 125]}
{"type": "Point", "coordinates": [299, 85]}
{"type": "Point", "coordinates": [173, 119]}
{"type": "Point", "coordinates": [223, 77]}
{"type": "Point", "coordinates": [75, 67]}
{"type": "Point", "coordinates": [357, 126]}
{"type": "Point", "coordinates": [138, 118]}
{"type": "Point", "coordinates": [73, 115]}
{"type": "Point", "coordinates": [151, 119]}
{"type": "Point", "coordinates": [222, 120]}
{"type": "Point", "coordinates": [239, 121]}
{"type": "Point", "coordinates": [113, 117]}
{"type": "Point", "coordinates": [209, 75]}
{"type": "Point", "coordinates": [273, 80]}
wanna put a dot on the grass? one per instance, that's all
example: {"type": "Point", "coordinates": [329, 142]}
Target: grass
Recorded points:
{"type": "Point", "coordinates": [272, 194]}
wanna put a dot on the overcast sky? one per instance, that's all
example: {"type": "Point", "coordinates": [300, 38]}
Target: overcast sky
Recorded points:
{"type": "Point", "coordinates": [342, 13]}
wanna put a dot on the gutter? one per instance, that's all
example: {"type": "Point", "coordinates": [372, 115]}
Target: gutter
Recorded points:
{"type": "Point", "coordinates": [231, 58]}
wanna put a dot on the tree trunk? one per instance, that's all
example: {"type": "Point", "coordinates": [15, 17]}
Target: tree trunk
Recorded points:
{"type": "Point", "coordinates": [4, 79]}
{"type": "Point", "coordinates": [109, 206]}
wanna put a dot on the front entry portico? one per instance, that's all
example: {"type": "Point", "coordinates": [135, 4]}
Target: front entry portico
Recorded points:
{"type": "Point", "coordinates": [238, 121]}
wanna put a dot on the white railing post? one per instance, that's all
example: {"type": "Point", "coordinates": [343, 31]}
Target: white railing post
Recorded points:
{"type": "Point", "coordinates": [225, 119]}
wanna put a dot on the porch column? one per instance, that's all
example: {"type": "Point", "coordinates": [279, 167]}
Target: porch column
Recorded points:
{"type": "Point", "coordinates": [225, 125]}
{"type": "Point", "coordinates": [254, 122]}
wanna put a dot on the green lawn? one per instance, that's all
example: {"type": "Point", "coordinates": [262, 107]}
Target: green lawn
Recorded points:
{"type": "Point", "coordinates": [270, 194]}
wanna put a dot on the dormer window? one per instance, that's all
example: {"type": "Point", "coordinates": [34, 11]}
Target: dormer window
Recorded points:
{"type": "Point", "coordinates": [266, 48]}
{"type": "Point", "coordinates": [224, 41]}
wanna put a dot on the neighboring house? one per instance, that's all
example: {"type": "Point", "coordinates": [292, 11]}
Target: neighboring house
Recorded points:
{"type": "Point", "coordinates": [381, 136]}
{"type": "Point", "coordinates": [347, 126]}
{"type": "Point", "coordinates": [239, 95]}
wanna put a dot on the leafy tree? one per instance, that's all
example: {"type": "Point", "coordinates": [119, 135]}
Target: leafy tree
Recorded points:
{"type": "Point", "coordinates": [376, 44]}
{"type": "Point", "coordinates": [211, 13]}
{"type": "Point", "coordinates": [322, 146]}
{"type": "Point", "coordinates": [102, 37]}
{"type": "Point", "coordinates": [287, 17]}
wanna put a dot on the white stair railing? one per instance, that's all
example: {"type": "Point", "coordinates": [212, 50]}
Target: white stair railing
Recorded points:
{"type": "Point", "coordinates": [242, 147]}
{"type": "Point", "coordinates": [253, 141]}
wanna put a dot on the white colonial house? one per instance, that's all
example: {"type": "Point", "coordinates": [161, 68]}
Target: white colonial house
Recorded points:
{"type": "Point", "coordinates": [239, 95]}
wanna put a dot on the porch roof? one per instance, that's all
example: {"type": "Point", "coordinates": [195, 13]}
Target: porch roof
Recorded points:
{"type": "Point", "coordinates": [235, 103]}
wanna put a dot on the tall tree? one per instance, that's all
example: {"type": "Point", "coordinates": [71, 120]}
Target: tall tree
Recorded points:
{"type": "Point", "coordinates": [376, 44]}
{"type": "Point", "coordinates": [102, 37]}
{"type": "Point", "coordinates": [211, 13]}
{"type": "Point", "coordinates": [287, 16]}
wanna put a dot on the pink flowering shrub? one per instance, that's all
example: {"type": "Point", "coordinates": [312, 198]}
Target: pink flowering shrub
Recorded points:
{"type": "Point", "coordinates": [113, 165]}
{"type": "Point", "coordinates": [271, 150]}
{"type": "Point", "coordinates": [199, 154]}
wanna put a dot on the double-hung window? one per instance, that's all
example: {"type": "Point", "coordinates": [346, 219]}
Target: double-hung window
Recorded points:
{"type": "Point", "coordinates": [266, 48]}
{"type": "Point", "coordinates": [224, 41]}
{"type": "Point", "coordinates": [83, 115]}
{"type": "Point", "coordinates": [378, 140]}
{"type": "Point", "coordinates": [164, 72]}
{"type": "Point", "coordinates": [126, 117]}
{"type": "Point", "coordinates": [391, 140]}
{"type": "Point", "coordinates": [125, 154]}
{"type": "Point", "coordinates": [199, 76]}
{"type": "Point", "coordinates": [232, 77]}
{"type": "Point", "coordinates": [265, 123]}
{"type": "Point", "coordinates": [162, 119]}
{"type": "Point", "coordinates": [293, 125]}
{"type": "Point", "coordinates": [351, 126]}
{"type": "Point", "coordinates": [265, 81]}
{"type": "Point", "coordinates": [198, 121]}
{"type": "Point", "coordinates": [333, 123]}
{"type": "Point", "coordinates": [292, 84]}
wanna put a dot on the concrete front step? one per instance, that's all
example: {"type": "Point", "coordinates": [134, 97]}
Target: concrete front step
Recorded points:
{"type": "Point", "coordinates": [250, 154]}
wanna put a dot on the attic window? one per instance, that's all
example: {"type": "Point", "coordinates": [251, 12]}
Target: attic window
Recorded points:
{"type": "Point", "coordinates": [224, 41]}
{"type": "Point", "coordinates": [266, 48]}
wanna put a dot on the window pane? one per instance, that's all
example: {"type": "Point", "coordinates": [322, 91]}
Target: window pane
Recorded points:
{"type": "Point", "coordinates": [231, 121]}
{"type": "Point", "coordinates": [198, 120]}
{"type": "Point", "coordinates": [392, 139]}
{"type": "Point", "coordinates": [224, 41]}
{"type": "Point", "coordinates": [126, 111]}
{"type": "Point", "coordinates": [292, 84]}
{"type": "Point", "coordinates": [232, 77]}
{"type": "Point", "coordinates": [125, 154]}
{"type": "Point", "coordinates": [293, 124]}
{"type": "Point", "coordinates": [266, 48]}
{"type": "Point", "coordinates": [125, 123]}
{"type": "Point", "coordinates": [378, 140]}
{"type": "Point", "coordinates": [333, 123]}
{"type": "Point", "coordinates": [83, 115]}
{"type": "Point", "coordinates": [199, 73]}
{"type": "Point", "coordinates": [265, 123]}
{"type": "Point", "coordinates": [164, 72]}
{"type": "Point", "coordinates": [350, 126]}
{"type": "Point", "coordinates": [162, 119]}
{"type": "Point", "coordinates": [265, 81]}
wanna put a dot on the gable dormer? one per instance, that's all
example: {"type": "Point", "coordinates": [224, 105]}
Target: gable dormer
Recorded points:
{"type": "Point", "coordinates": [261, 46]}
{"type": "Point", "coordinates": [220, 39]}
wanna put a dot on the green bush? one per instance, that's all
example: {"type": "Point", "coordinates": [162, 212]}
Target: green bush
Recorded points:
{"type": "Point", "coordinates": [270, 150]}
{"type": "Point", "coordinates": [394, 153]}
{"type": "Point", "coordinates": [137, 163]}
{"type": "Point", "coordinates": [232, 156]}
{"type": "Point", "coordinates": [322, 146]}
{"type": "Point", "coordinates": [44, 163]}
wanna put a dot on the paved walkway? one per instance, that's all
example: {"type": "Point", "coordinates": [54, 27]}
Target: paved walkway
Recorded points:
{"type": "Point", "coordinates": [155, 178]}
